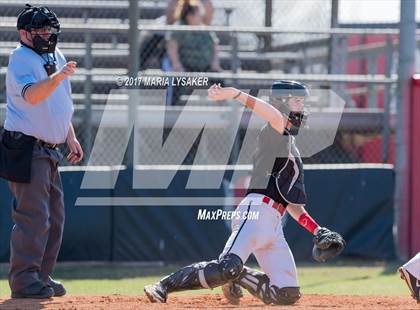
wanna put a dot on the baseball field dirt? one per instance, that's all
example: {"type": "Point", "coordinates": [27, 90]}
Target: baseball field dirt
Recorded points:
{"type": "Point", "coordinates": [211, 302]}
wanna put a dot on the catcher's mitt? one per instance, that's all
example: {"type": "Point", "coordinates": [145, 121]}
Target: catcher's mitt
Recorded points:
{"type": "Point", "coordinates": [327, 244]}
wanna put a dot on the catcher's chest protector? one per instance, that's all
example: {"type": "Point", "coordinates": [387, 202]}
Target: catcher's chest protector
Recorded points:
{"type": "Point", "coordinates": [278, 168]}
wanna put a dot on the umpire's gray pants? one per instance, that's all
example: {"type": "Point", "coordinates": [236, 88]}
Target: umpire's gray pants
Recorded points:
{"type": "Point", "coordinates": [38, 215]}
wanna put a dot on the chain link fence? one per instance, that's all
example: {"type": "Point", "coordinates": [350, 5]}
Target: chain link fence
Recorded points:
{"type": "Point", "coordinates": [249, 60]}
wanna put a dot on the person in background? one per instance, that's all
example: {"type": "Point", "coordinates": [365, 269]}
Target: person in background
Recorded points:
{"type": "Point", "coordinates": [191, 51]}
{"type": "Point", "coordinates": [172, 15]}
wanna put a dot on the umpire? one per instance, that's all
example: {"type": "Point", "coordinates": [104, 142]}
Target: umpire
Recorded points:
{"type": "Point", "coordinates": [38, 119]}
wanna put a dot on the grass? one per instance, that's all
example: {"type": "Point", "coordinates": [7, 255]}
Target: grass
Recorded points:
{"type": "Point", "coordinates": [351, 278]}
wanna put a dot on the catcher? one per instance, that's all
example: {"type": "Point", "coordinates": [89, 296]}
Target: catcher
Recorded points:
{"type": "Point", "coordinates": [275, 188]}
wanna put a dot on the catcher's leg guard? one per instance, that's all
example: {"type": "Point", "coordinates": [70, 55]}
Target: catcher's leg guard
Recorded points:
{"type": "Point", "coordinates": [204, 275]}
{"type": "Point", "coordinates": [258, 284]}
{"type": "Point", "coordinates": [285, 295]}
{"type": "Point", "coordinates": [255, 282]}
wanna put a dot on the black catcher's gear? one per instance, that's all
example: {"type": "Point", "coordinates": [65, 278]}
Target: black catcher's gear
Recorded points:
{"type": "Point", "coordinates": [285, 295]}
{"type": "Point", "coordinates": [37, 18]}
{"type": "Point", "coordinates": [225, 269]}
{"type": "Point", "coordinates": [327, 244]}
{"type": "Point", "coordinates": [258, 284]}
{"type": "Point", "coordinates": [232, 292]}
{"type": "Point", "coordinates": [412, 283]}
{"type": "Point", "coordinates": [156, 292]}
{"type": "Point", "coordinates": [279, 176]}
{"type": "Point", "coordinates": [281, 91]}
{"type": "Point", "coordinates": [197, 276]}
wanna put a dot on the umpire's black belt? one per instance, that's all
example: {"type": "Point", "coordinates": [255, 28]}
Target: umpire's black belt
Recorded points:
{"type": "Point", "coordinates": [46, 144]}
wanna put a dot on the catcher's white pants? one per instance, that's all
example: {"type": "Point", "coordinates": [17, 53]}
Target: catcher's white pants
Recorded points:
{"type": "Point", "coordinates": [413, 266]}
{"type": "Point", "coordinates": [265, 239]}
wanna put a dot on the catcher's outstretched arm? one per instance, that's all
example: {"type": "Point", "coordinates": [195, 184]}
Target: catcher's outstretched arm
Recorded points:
{"type": "Point", "coordinates": [257, 105]}
{"type": "Point", "coordinates": [301, 216]}
{"type": "Point", "coordinates": [262, 109]}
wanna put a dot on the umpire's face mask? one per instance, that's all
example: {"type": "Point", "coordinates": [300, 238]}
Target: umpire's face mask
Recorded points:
{"type": "Point", "coordinates": [44, 40]}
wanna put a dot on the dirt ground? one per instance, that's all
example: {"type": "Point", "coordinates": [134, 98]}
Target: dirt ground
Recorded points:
{"type": "Point", "coordinates": [319, 302]}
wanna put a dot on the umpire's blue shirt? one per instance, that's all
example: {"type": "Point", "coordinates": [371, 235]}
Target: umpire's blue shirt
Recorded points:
{"type": "Point", "coordinates": [49, 120]}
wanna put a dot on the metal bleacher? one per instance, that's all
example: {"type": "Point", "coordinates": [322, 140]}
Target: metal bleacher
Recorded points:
{"type": "Point", "coordinates": [95, 34]}
{"type": "Point", "coordinates": [110, 50]}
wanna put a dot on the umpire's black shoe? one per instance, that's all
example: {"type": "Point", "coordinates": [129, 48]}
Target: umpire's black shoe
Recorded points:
{"type": "Point", "coordinates": [58, 288]}
{"type": "Point", "coordinates": [156, 292]}
{"type": "Point", "coordinates": [412, 282]}
{"type": "Point", "coordinates": [36, 290]}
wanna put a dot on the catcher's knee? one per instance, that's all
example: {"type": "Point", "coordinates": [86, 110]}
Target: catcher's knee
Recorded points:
{"type": "Point", "coordinates": [285, 295]}
{"type": "Point", "coordinates": [219, 272]}
{"type": "Point", "coordinates": [231, 266]}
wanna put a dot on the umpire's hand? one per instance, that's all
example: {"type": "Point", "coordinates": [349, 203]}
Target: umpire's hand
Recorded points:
{"type": "Point", "coordinates": [76, 151]}
{"type": "Point", "coordinates": [67, 70]}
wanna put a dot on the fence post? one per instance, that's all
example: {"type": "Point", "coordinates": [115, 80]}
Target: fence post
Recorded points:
{"type": "Point", "coordinates": [406, 63]}
{"type": "Point", "coordinates": [332, 48]}
{"type": "Point", "coordinates": [235, 62]}
{"type": "Point", "coordinates": [88, 91]}
{"type": "Point", "coordinates": [371, 62]}
{"type": "Point", "coordinates": [339, 66]}
{"type": "Point", "coordinates": [133, 69]}
{"type": "Point", "coordinates": [235, 65]}
{"type": "Point", "coordinates": [387, 99]}
{"type": "Point", "coordinates": [268, 23]}
{"type": "Point", "coordinates": [2, 97]}
{"type": "Point", "coordinates": [415, 167]}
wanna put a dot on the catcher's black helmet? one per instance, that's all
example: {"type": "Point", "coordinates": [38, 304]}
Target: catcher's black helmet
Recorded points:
{"type": "Point", "coordinates": [281, 92]}
{"type": "Point", "coordinates": [284, 88]}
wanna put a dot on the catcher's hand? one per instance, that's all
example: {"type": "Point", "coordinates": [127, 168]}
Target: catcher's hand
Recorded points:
{"type": "Point", "coordinates": [327, 244]}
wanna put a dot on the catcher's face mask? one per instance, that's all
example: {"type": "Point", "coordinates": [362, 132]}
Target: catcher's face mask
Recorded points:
{"type": "Point", "coordinates": [297, 114]}
{"type": "Point", "coordinates": [294, 109]}
{"type": "Point", "coordinates": [289, 97]}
